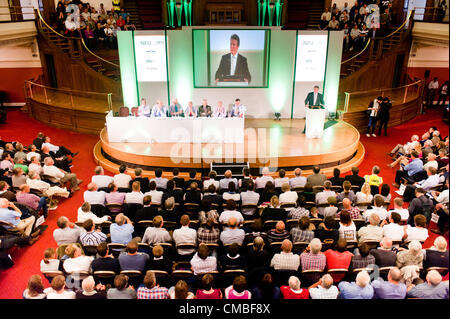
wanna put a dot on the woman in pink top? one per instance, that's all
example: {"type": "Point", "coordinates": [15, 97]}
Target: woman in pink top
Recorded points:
{"type": "Point", "coordinates": [114, 197]}
{"type": "Point", "coordinates": [208, 292]}
{"type": "Point", "coordinates": [237, 290]}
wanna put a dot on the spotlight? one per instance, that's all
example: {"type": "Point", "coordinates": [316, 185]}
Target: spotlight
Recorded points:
{"type": "Point", "coordinates": [277, 116]}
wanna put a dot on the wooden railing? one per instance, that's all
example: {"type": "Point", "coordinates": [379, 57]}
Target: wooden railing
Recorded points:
{"type": "Point", "coordinates": [16, 13]}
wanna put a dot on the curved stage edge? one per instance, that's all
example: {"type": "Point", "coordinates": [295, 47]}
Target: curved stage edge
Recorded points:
{"type": "Point", "coordinates": [277, 144]}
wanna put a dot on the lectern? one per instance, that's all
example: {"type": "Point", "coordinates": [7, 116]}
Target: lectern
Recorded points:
{"type": "Point", "coordinates": [315, 121]}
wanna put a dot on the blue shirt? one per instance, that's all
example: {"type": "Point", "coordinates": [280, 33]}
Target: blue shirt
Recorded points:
{"type": "Point", "coordinates": [414, 167]}
{"type": "Point", "coordinates": [386, 290]}
{"type": "Point", "coordinates": [350, 290]}
{"type": "Point", "coordinates": [121, 234]}
{"type": "Point", "coordinates": [9, 216]}
{"type": "Point", "coordinates": [133, 262]}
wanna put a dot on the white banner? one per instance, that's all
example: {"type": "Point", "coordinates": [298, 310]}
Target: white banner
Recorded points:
{"type": "Point", "coordinates": [150, 53]}
{"type": "Point", "coordinates": [311, 57]}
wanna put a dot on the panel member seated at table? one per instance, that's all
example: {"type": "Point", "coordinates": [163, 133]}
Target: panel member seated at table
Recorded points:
{"type": "Point", "coordinates": [314, 100]}
{"type": "Point", "coordinates": [144, 108]}
{"type": "Point", "coordinates": [190, 111]}
{"type": "Point", "coordinates": [220, 111]}
{"type": "Point", "coordinates": [237, 109]}
{"type": "Point", "coordinates": [175, 109]}
{"type": "Point", "coordinates": [204, 110]}
{"type": "Point", "coordinates": [159, 110]}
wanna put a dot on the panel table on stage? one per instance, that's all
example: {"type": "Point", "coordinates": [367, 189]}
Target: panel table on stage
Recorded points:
{"type": "Point", "coordinates": [174, 129]}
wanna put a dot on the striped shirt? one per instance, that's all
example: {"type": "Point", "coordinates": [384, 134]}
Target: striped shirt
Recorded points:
{"type": "Point", "coordinates": [274, 236]}
{"type": "Point", "coordinates": [92, 238]}
{"type": "Point", "coordinates": [301, 235]}
{"type": "Point", "coordinates": [153, 293]}
{"type": "Point", "coordinates": [310, 261]}
{"type": "Point", "coordinates": [298, 213]}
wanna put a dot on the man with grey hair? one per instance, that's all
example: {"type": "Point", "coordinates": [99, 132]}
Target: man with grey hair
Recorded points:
{"type": "Point", "coordinates": [433, 288]}
{"type": "Point", "coordinates": [360, 289]}
{"type": "Point", "coordinates": [393, 288]}
{"type": "Point", "coordinates": [59, 176]}
{"type": "Point", "coordinates": [100, 179]}
{"type": "Point", "coordinates": [67, 232]}
{"type": "Point", "coordinates": [324, 288]}
{"type": "Point", "coordinates": [122, 230]}
{"type": "Point", "coordinates": [371, 232]}
{"type": "Point", "coordinates": [261, 181]}
{"type": "Point", "coordinates": [90, 291]}
{"type": "Point", "coordinates": [298, 180]}
{"type": "Point", "coordinates": [288, 196]}
{"type": "Point", "coordinates": [228, 177]}
{"type": "Point", "coordinates": [232, 234]}
{"type": "Point", "coordinates": [293, 291]}
{"type": "Point", "coordinates": [436, 256]}
{"type": "Point", "coordinates": [312, 258]}
{"type": "Point", "coordinates": [385, 255]}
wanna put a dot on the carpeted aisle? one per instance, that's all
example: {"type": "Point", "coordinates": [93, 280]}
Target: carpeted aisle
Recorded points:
{"type": "Point", "coordinates": [24, 129]}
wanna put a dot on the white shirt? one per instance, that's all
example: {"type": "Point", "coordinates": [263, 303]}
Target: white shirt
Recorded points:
{"type": "Point", "coordinates": [347, 232]}
{"type": "Point", "coordinates": [161, 182]}
{"type": "Point", "coordinates": [376, 106]}
{"type": "Point", "coordinates": [443, 197]}
{"type": "Point", "coordinates": [51, 147]}
{"type": "Point", "coordinates": [135, 198]}
{"type": "Point", "coordinates": [144, 110]}
{"type": "Point", "coordinates": [37, 184]}
{"type": "Point", "coordinates": [288, 197]}
{"type": "Point", "coordinates": [380, 211]}
{"type": "Point", "coordinates": [122, 180]}
{"type": "Point", "coordinates": [260, 182]}
{"type": "Point", "coordinates": [327, 15]}
{"type": "Point", "coordinates": [416, 233]}
{"type": "Point", "coordinates": [156, 196]}
{"type": "Point", "coordinates": [53, 265]}
{"type": "Point", "coordinates": [209, 182]}
{"type": "Point", "coordinates": [280, 181]}
{"type": "Point", "coordinates": [185, 235]}
{"type": "Point", "coordinates": [31, 154]}
{"type": "Point", "coordinates": [81, 263]}
{"type": "Point", "coordinates": [393, 231]}
{"type": "Point", "coordinates": [430, 182]}
{"type": "Point", "coordinates": [51, 294]}
{"type": "Point", "coordinates": [298, 181]}
{"type": "Point", "coordinates": [233, 59]}
{"type": "Point", "coordinates": [94, 197]}
{"type": "Point", "coordinates": [35, 168]}
{"type": "Point", "coordinates": [102, 181]}
{"type": "Point", "coordinates": [225, 181]}
{"type": "Point", "coordinates": [403, 212]}
{"type": "Point", "coordinates": [83, 216]}
{"type": "Point", "coordinates": [227, 214]}
{"type": "Point", "coordinates": [236, 196]}
{"type": "Point", "coordinates": [433, 85]}
{"type": "Point", "coordinates": [53, 171]}
{"type": "Point", "coordinates": [431, 164]}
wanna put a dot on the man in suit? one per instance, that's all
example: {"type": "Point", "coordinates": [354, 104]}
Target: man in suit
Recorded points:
{"type": "Point", "coordinates": [233, 64]}
{"type": "Point", "coordinates": [316, 179]}
{"type": "Point", "coordinates": [314, 100]}
{"type": "Point", "coordinates": [204, 110]}
{"type": "Point", "coordinates": [355, 179]}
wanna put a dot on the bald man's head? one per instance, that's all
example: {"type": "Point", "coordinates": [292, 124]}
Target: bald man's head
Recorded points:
{"type": "Point", "coordinates": [395, 275]}
{"type": "Point", "coordinates": [327, 281]}
{"type": "Point", "coordinates": [286, 246]}
{"type": "Point", "coordinates": [346, 203]}
{"type": "Point", "coordinates": [280, 226]}
{"type": "Point", "coordinates": [232, 222]}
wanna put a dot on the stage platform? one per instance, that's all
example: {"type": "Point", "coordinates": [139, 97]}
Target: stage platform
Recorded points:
{"type": "Point", "coordinates": [277, 144]}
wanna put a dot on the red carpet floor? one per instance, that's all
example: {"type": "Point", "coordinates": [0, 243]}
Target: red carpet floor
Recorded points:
{"type": "Point", "coordinates": [24, 129]}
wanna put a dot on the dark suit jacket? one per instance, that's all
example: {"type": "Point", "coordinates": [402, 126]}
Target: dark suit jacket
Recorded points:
{"type": "Point", "coordinates": [241, 70]}
{"type": "Point", "coordinates": [161, 264]}
{"type": "Point", "coordinates": [384, 258]}
{"type": "Point", "coordinates": [310, 99]}
{"type": "Point", "coordinates": [337, 181]}
{"type": "Point", "coordinates": [199, 183]}
{"type": "Point", "coordinates": [270, 213]}
{"type": "Point", "coordinates": [355, 180]}
{"type": "Point", "coordinates": [176, 194]}
{"type": "Point", "coordinates": [146, 213]}
{"type": "Point", "coordinates": [109, 264]}
{"type": "Point", "coordinates": [144, 183]}
{"type": "Point", "coordinates": [207, 110]}
{"type": "Point", "coordinates": [179, 182]}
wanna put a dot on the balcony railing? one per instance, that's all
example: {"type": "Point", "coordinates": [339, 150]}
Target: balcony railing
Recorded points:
{"type": "Point", "coordinates": [431, 14]}
{"type": "Point", "coordinates": [73, 99]}
{"type": "Point", "coordinates": [16, 13]}
{"type": "Point", "coordinates": [358, 101]}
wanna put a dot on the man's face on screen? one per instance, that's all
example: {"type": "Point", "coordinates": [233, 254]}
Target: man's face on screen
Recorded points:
{"type": "Point", "coordinates": [234, 47]}
{"type": "Point", "coordinates": [316, 90]}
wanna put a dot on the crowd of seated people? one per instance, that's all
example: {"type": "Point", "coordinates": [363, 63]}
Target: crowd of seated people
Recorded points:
{"type": "Point", "coordinates": [98, 27]}
{"type": "Point", "coordinates": [359, 22]}
{"type": "Point", "coordinates": [241, 240]}
{"type": "Point", "coordinates": [30, 177]}
{"type": "Point", "coordinates": [422, 175]}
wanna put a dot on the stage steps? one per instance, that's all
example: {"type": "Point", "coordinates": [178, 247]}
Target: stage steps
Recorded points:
{"type": "Point", "coordinates": [150, 13]}
{"type": "Point", "coordinates": [131, 7]}
{"type": "Point", "coordinates": [235, 168]}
